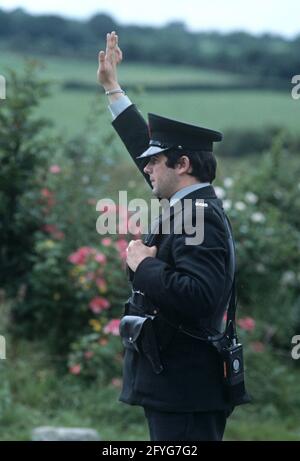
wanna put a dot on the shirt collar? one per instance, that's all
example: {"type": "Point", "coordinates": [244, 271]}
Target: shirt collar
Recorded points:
{"type": "Point", "coordinates": [185, 191]}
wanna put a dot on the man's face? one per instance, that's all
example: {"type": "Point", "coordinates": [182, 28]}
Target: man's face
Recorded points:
{"type": "Point", "coordinates": [164, 180]}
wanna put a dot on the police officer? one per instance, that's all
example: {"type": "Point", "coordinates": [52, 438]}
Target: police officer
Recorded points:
{"type": "Point", "coordinates": [182, 286]}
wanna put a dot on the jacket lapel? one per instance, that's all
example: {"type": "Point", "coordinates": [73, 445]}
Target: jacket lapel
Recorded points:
{"type": "Point", "coordinates": [155, 233]}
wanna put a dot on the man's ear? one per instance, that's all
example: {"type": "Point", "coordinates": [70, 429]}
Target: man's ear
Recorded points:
{"type": "Point", "coordinates": [185, 164]}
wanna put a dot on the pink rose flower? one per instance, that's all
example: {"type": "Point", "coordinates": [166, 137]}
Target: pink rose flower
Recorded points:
{"type": "Point", "coordinates": [75, 369]}
{"type": "Point", "coordinates": [54, 231]}
{"type": "Point", "coordinates": [246, 323]}
{"type": "Point", "coordinates": [100, 258]}
{"type": "Point", "coordinates": [80, 256]}
{"type": "Point", "coordinates": [98, 304]}
{"type": "Point", "coordinates": [121, 245]}
{"type": "Point", "coordinates": [106, 242]}
{"type": "Point", "coordinates": [55, 169]}
{"type": "Point", "coordinates": [46, 193]}
{"type": "Point", "coordinates": [113, 327]}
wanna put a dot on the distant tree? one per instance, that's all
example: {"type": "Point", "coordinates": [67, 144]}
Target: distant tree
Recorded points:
{"type": "Point", "coordinates": [48, 25]}
{"type": "Point", "coordinates": [76, 36]}
{"type": "Point", "coordinates": [20, 21]}
{"type": "Point", "coordinates": [265, 58]}
{"type": "Point", "coordinates": [5, 23]}
{"type": "Point", "coordinates": [101, 23]}
{"type": "Point", "coordinates": [178, 26]}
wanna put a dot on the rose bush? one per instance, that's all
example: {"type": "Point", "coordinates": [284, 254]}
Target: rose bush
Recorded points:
{"type": "Point", "coordinates": [264, 208]}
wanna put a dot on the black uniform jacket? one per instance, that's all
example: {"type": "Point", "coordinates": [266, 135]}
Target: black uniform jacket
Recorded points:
{"type": "Point", "coordinates": [185, 285]}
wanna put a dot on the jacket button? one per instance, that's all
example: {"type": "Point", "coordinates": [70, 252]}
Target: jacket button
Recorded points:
{"type": "Point", "coordinates": [130, 339]}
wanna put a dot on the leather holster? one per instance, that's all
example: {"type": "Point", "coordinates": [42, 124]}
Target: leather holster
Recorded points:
{"type": "Point", "coordinates": [138, 334]}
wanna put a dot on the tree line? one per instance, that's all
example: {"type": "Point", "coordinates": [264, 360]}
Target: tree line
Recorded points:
{"type": "Point", "coordinates": [261, 57]}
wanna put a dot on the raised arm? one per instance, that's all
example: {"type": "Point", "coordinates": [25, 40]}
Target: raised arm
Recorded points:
{"type": "Point", "coordinates": [129, 124]}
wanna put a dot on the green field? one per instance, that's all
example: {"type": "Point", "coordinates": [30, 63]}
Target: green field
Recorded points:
{"type": "Point", "coordinates": [62, 69]}
{"type": "Point", "coordinates": [220, 109]}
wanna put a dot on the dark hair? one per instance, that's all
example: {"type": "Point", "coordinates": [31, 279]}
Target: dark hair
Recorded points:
{"type": "Point", "coordinates": [204, 163]}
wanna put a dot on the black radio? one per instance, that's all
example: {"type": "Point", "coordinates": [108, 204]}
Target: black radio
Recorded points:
{"type": "Point", "coordinates": [233, 366]}
{"type": "Point", "coordinates": [233, 374]}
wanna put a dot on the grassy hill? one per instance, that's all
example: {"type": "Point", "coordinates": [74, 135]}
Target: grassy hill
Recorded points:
{"type": "Point", "coordinates": [62, 70]}
{"type": "Point", "coordinates": [218, 108]}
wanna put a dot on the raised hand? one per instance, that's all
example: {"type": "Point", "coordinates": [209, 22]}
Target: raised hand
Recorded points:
{"type": "Point", "coordinates": [108, 61]}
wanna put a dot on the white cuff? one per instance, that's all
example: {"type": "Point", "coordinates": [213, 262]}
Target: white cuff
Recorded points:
{"type": "Point", "coordinates": [118, 106]}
